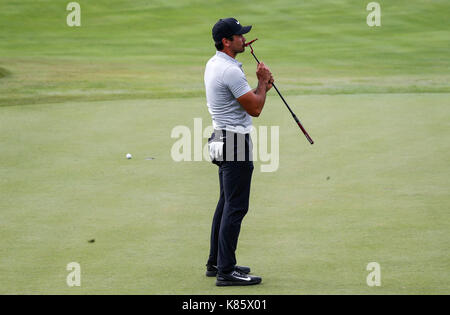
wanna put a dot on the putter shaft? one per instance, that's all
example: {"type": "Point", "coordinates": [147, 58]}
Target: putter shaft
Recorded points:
{"type": "Point", "coordinates": [282, 98]}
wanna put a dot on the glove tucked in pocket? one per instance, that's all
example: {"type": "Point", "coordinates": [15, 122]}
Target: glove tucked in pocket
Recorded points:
{"type": "Point", "coordinates": [215, 145]}
{"type": "Point", "coordinates": [216, 150]}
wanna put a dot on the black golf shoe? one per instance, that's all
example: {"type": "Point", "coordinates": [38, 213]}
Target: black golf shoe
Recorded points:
{"type": "Point", "coordinates": [235, 278]}
{"type": "Point", "coordinates": [211, 270]}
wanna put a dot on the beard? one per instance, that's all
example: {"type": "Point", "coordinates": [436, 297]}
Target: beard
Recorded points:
{"type": "Point", "coordinates": [240, 50]}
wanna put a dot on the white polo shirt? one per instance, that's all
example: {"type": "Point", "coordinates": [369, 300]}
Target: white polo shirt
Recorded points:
{"type": "Point", "coordinates": [225, 81]}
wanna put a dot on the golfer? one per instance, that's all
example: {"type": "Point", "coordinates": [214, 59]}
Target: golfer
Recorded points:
{"type": "Point", "coordinates": [231, 103]}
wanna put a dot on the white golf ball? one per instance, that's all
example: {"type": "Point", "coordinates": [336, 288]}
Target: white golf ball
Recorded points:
{"type": "Point", "coordinates": [129, 156]}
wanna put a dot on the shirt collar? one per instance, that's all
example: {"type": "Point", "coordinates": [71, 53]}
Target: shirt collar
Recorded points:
{"type": "Point", "coordinates": [227, 57]}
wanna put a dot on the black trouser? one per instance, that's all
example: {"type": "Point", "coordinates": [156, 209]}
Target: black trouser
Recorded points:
{"type": "Point", "coordinates": [235, 179]}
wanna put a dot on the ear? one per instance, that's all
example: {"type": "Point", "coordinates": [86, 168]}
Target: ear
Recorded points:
{"type": "Point", "coordinates": [226, 42]}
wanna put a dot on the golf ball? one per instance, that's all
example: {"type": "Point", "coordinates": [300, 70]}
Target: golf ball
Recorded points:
{"type": "Point", "coordinates": [129, 156]}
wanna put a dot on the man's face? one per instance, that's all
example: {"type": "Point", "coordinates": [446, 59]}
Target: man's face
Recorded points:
{"type": "Point", "coordinates": [237, 45]}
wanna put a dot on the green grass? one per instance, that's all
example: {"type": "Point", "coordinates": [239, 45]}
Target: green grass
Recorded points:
{"type": "Point", "coordinates": [74, 101]}
{"type": "Point", "coordinates": [65, 180]}
{"type": "Point", "coordinates": [157, 49]}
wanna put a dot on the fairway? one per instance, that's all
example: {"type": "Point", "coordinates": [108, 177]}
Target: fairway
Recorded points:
{"type": "Point", "coordinates": [374, 187]}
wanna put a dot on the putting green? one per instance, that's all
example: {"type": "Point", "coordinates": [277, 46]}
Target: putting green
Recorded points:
{"type": "Point", "coordinates": [65, 180]}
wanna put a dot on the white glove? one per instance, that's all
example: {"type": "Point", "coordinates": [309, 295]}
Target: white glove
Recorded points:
{"type": "Point", "coordinates": [215, 150]}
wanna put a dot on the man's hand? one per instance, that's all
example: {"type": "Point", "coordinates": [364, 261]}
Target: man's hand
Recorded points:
{"type": "Point", "coordinates": [269, 86]}
{"type": "Point", "coordinates": [264, 75]}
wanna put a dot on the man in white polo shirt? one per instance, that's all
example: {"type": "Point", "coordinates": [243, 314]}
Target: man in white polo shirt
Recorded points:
{"type": "Point", "coordinates": [231, 103]}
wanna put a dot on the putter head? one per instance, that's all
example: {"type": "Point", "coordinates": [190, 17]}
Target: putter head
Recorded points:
{"type": "Point", "coordinates": [249, 44]}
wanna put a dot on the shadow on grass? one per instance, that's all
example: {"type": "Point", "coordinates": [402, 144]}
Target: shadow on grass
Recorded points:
{"type": "Point", "coordinates": [4, 72]}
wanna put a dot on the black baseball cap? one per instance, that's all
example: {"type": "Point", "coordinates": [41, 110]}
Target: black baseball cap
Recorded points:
{"type": "Point", "coordinates": [227, 28]}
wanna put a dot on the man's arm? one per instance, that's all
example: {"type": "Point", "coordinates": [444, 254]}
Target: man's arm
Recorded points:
{"type": "Point", "coordinates": [253, 101]}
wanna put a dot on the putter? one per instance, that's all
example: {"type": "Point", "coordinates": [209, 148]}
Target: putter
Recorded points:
{"type": "Point", "coordinates": [285, 103]}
